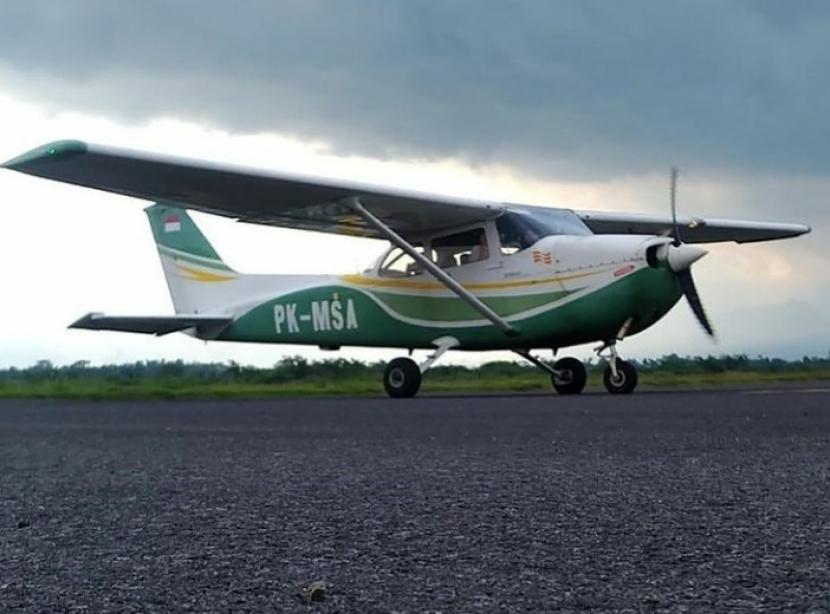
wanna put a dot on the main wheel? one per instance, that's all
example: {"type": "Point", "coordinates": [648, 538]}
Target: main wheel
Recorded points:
{"type": "Point", "coordinates": [571, 376]}
{"type": "Point", "coordinates": [626, 380]}
{"type": "Point", "coordinates": [402, 378]}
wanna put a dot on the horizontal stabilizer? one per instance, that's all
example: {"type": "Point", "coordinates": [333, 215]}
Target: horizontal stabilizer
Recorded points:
{"type": "Point", "coordinates": [205, 325]}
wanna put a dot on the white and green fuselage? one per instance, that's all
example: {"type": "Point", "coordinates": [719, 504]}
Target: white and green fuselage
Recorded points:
{"type": "Point", "coordinates": [563, 291]}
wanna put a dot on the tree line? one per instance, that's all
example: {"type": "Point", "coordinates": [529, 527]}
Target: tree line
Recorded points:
{"type": "Point", "coordinates": [293, 368]}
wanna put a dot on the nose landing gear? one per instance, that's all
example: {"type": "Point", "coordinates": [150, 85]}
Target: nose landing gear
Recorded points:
{"type": "Point", "coordinates": [619, 377]}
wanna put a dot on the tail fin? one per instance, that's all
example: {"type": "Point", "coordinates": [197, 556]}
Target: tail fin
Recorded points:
{"type": "Point", "coordinates": [192, 267]}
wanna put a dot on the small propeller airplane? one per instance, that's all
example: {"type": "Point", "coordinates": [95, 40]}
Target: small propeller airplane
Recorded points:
{"type": "Point", "coordinates": [459, 274]}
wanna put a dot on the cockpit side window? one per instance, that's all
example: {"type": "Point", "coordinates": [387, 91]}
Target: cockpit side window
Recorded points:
{"type": "Point", "coordinates": [461, 248]}
{"type": "Point", "coordinates": [398, 263]}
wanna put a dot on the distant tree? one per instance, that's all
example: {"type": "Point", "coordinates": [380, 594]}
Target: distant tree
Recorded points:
{"type": "Point", "coordinates": [172, 368]}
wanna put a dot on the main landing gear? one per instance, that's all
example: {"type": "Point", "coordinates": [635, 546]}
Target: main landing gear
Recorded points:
{"type": "Point", "coordinates": [402, 376]}
{"type": "Point", "coordinates": [567, 375]}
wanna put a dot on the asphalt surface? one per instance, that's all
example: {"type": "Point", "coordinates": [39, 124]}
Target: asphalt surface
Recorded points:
{"type": "Point", "coordinates": [667, 502]}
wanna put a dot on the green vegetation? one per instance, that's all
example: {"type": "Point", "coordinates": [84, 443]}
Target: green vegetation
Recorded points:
{"type": "Point", "coordinates": [295, 376]}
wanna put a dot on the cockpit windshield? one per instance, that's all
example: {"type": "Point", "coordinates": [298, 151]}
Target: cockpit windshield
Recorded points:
{"type": "Point", "coordinates": [520, 228]}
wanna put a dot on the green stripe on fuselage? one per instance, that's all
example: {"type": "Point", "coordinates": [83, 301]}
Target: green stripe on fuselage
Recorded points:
{"type": "Point", "coordinates": [453, 309]}
{"type": "Point", "coordinates": [647, 294]}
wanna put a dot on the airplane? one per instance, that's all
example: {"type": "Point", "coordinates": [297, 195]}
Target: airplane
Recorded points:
{"type": "Point", "coordinates": [458, 274]}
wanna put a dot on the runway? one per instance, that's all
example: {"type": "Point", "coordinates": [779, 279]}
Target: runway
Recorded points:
{"type": "Point", "coordinates": [682, 501]}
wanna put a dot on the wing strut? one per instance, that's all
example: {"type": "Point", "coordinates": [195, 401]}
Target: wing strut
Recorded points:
{"type": "Point", "coordinates": [439, 274]}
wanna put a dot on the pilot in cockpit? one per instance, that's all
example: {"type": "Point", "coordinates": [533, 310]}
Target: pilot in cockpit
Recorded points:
{"type": "Point", "coordinates": [481, 251]}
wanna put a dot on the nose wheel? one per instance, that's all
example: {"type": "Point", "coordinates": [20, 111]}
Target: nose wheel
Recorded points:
{"type": "Point", "coordinates": [624, 381]}
{"type": "Point", "coordinates": [619, 377]}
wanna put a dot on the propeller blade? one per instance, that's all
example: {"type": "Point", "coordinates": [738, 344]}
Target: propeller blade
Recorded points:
{"type": "Point", "coordinates": [687, 284]}
{"type": "Point", "coordinates": [677, 239]}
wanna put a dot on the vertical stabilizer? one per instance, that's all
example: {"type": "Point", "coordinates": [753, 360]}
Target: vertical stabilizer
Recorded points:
{"type": "Point", "coordinates": [195, 273]}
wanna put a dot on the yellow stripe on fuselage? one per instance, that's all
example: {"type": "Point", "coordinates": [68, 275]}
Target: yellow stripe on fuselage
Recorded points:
{"type": "Point", "coordinates": [406, 284]}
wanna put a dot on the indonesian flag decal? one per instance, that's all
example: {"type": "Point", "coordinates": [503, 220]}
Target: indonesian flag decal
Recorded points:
{"type": "Point", "coordinates": [542, 257]}
{"type": "Point", "coordinates": [172, 223]}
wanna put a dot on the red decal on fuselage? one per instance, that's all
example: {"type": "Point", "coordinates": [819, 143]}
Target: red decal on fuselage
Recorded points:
{"type": "Point", "coordinates": [624, 270]}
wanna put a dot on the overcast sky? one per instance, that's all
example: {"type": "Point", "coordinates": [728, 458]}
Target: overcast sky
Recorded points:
{"type": "Point", "coordinates": [582, 104]}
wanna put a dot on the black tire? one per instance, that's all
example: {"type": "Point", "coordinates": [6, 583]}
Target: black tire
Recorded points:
{"type": "Point", "coordinates": [626, 380]}
{"type": "Point", "coordinates": [402, 378]}
{"type": "Point", "coordinates": [572, 376]}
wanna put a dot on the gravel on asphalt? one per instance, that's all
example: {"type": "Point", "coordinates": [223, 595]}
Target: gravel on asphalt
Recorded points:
{"type": "Point", "coordinates": [657, 502]}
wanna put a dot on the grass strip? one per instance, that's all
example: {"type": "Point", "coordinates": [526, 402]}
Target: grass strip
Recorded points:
{"type": "Point", "coordinates": [532, 381]}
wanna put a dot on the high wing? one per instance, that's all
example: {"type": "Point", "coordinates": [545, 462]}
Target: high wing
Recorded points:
{"type": "Point", "coordinates": [249, 195]}
{"type": "Point", "coordinates": [295, 201]}
{"type": "Point", "coordinates": [205, 325]}
{"type": "Point", "coordinates": [692, 229]}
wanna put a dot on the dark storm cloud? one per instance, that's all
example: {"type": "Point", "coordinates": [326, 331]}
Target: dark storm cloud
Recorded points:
{"type": "Point", "coordinates": [572, 89]}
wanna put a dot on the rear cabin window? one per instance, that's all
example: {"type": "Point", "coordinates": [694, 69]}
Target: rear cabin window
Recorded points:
{"type": "Point", "coordinates": [461, 248]}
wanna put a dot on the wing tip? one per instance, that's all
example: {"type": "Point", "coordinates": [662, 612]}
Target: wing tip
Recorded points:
{"type": "Point", "coordinates": [86, 321]}
{"type": "Point", "coordinates": [791, 232]}
{"type": "Point", "coordinates": [50, 152]}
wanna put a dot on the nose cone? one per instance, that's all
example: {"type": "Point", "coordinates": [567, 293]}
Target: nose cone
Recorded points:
{"type": "Point", "coordinates": [681, 257]}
